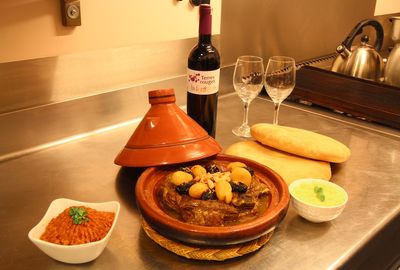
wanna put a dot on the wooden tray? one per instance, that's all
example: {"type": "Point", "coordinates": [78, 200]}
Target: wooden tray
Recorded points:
{"type": "Point", "coordinates": [361, 98]}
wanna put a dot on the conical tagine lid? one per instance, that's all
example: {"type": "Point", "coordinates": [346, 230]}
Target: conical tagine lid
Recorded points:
{"type": "Point", "coordinates": [166, 135]}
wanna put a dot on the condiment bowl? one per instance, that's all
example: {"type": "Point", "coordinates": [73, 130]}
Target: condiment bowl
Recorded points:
{"type": "Point", "coordinates": [72, 253]}
{"type": "Point", "coordinates": [313, 207]}
{"type": "Point", "coordinates": [173, 228]}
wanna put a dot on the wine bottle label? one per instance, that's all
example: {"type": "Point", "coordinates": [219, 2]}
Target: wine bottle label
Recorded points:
{"type": "Point", "coordinates": [202, 82]}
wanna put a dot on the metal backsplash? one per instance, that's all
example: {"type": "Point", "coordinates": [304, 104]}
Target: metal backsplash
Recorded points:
{"type": "Point", "coordinates": [33, 129]}
{"type": "Point", "coordinates": [30, 83]}
{"type": "Point", "coordinates": [301, 29]}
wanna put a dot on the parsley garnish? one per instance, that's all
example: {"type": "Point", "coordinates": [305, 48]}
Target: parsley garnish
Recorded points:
{"type": "Point", "coordinates": [78, 215]}
{"type": "Point", "coordinates": [319, 192]}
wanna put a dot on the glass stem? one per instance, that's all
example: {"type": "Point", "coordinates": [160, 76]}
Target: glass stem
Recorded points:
{"type": "Point", "coordinates": [246, 113]}
{"type": "Point", "coordinates": [276, 112]}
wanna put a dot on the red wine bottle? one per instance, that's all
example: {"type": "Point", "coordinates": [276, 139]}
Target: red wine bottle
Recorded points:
{"type": "Point", "coordinates": [203, 76]}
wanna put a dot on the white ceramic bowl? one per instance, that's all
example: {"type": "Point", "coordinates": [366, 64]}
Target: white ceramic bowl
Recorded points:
{"type": "Point", "coordinates": [312, 212]}
{"type": "Point", "coordinates": [74, 253]}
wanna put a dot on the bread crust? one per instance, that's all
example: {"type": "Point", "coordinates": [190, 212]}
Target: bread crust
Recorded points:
{"type": "Point", "coordinates": [290, 167]}
{"type": "Point", "coordinates": [301, 142]}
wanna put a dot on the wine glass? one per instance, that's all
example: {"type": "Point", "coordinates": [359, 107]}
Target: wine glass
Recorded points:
{"type": "Point", "coordinates": [248, 82]}
{"type": "Point", "coordinates": [280, 78]}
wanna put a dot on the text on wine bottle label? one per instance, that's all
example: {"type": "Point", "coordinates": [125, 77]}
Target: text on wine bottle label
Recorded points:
{"type": "Point", "coordinates": [202, 82]}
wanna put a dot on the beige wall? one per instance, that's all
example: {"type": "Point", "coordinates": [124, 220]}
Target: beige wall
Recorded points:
{"type": "Point", "coordinates": [32, 28]}
{"type": "Point", "coordinates": [383, 7]}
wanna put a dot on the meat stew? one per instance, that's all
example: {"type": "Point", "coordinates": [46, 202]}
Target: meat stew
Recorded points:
{"type": "Point", "coordinates": [213, 194]}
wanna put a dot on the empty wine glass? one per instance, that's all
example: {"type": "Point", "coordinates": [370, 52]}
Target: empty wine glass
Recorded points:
{"type": "Point", "coordinates": [280, 78]}
{"type": "Point", "coordinates": [248, 82]}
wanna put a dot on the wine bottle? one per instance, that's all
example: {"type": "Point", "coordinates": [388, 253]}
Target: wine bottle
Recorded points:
{"type": "Point", "coordinates": [203, 76]}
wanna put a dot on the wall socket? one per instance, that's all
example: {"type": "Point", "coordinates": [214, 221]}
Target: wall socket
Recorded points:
{"type": "Point", "coordinates": [70, 12]}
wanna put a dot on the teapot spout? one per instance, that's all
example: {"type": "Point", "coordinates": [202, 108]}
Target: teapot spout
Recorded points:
{"type": "Point", "coordinates": [343, 51]}
{"type": "Point", "coordinates": [340, 62]}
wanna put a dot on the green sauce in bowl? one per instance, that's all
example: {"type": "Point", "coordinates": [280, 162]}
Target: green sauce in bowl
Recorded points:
{"type": "Point", "coordinates": [319, 193]}
{"type": "Point", "coordinates": [332, 195]}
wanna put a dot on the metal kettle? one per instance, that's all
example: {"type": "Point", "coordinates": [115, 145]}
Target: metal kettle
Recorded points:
{"type": "Point", "coordinates": [362, 61]}
{"type": "Point", "coordinates": [392, 69]}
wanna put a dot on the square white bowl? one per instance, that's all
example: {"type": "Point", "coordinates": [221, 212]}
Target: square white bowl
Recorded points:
{"type": "Point", "coordinates": [73, 253]}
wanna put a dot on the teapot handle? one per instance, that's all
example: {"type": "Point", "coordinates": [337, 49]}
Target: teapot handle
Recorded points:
{"type": "Point", "coordinates": [358, 30]}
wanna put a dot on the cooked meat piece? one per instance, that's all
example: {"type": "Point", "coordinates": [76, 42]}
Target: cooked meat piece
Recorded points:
{"type": "Point", "coordinates": [170, 199]}
{"type": "Point", "coordinates": [195, 211]}
{"type": "Point", "coordinates": [209, 213]}
{"type": "Point", "coordinates": [257, 189]}
{"type": "Point", "coordinates": [244, 201]}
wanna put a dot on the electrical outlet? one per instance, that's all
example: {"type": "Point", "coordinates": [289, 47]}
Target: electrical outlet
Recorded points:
{"type": "Point", "coordinates": [70, 12]}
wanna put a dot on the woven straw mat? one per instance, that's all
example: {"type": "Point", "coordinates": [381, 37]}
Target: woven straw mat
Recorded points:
{"type": "Point", "coordinates": [206, 253]}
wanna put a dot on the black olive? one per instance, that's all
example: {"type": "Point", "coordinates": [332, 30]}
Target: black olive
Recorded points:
{"type": "Point", "coordinates": [251, 171]}
{"type": "Point", "coordinates": [209, 195]}
{"type": "Point", "coordinates": [238, 187]}
{"type": "Point", "coordinates": [212, 168]}
{"type": "Point", "coordinates": [186, 170]}
{"type": "Point", "coordinates": [184, 187]}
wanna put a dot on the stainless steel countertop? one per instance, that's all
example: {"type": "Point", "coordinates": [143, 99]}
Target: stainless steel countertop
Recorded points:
{"type": "Point", "coordinates": [84, 170]}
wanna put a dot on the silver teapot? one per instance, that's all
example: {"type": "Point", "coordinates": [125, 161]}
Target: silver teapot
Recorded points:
{"type": "Point", "coordinates": [362, 61]}
{"type": "Point", "coordinates": [392, 69]}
